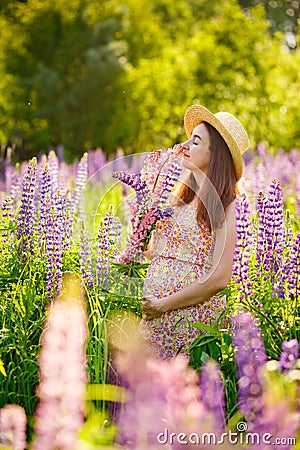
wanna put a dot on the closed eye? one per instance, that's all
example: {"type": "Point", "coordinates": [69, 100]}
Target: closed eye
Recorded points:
{"type": "Point", "coordinates": [196, 136]}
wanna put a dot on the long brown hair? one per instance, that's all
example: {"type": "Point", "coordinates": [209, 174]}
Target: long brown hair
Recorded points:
{"type": "Point", "coordinates": [221, 174]}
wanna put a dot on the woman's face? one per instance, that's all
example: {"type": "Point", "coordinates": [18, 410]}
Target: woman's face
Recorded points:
{"type": "Point", "coordinates": [197, 149]}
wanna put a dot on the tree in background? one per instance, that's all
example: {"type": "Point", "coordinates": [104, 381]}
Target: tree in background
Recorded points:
{"type": "Point", "coordinates": [110, 73]}
{"type": "Point", "coordinates": [62, 61]}
{"type": "Point", "coordinates": [216, 55]}
{"type": "Point", "coordinates": [282, 15]}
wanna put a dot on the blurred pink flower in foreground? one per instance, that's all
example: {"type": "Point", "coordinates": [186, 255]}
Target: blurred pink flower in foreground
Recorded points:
{"type": "Point", "coordinates": [62, 373]}
{"type": "Point", "coordinates": [165, 398]}
{"type": "Point", "coordinates": [13, 427]}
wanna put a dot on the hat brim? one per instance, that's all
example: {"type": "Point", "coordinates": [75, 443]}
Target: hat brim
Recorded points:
{"type": "Point", "coordinates": [196, 114]}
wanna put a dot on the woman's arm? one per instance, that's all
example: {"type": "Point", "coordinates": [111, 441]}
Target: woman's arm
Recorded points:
{"type": "Point", "coordinates": [210, 283]}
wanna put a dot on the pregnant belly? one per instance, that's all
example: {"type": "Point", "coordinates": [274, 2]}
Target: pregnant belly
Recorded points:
{"type": "Point", "coordinates": [168, 275]}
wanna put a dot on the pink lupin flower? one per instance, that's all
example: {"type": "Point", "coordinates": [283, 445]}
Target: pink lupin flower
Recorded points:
{"type": "Point", "coordinates": [13, 427]}
{"type": "Point", "coordinates": [176, 151]}
{"type": "Point", "coordinates": [136, 241]}
{"type": "Point", "coordinates": [62, 372]}
{"type": "Point", "coordinates": [158, 401]}
{"type": "Point", "coordinates": [153, 187]}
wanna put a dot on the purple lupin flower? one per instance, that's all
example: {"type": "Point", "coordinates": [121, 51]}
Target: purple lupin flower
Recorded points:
{"type": "Point", "coordinates": [63, 377]}
{"type": "Point", "coordinates": [96, 160]}
{"type": "Point", "coordinates": [261, 230]}
{"type": "Point", "coordinates": [274, 231]}
{"type": "Point", "coordinates": [288, 237]}
{"type": "Point", "coordinates": [67, 220]}
{"type": "Point", "coordinates": [53, 164]}
{"type": "Point", "coordinates": [106, 234]}
{"type": "Point", "coordinates": [289, 355]}
{"type": "Point", "coordinates": [243, 248]}
{"type": "Point", "coordinates": [167, 182]}
{"type": "Point", "coordinates": [54, 247]}
{"type": "Point", "coordinates": [294, 268]}
{"type": "Point", "coordinates": [279, 420]}
{"type": "Point", "coordinates": [13, 427]}
{"type": "Point", "coordinates": [85, 257]}
{"type": "Point", "coordinates": [81, 180]}
{"type": "Point", "coordinates": [131, 179]}
{"type": "Point", "coordinates": [212, 394]}
{"type": "Point", "coordinates": [102, 260]}
{"type": "Point", "coordinates": [26, 215]}
{"type": "Point", "coordinates": [115, 234]}
{"type": "Point", "coordinates": [168, 211]}
{"type": "Point", "coordinates": [271, 238]}
{"type": "Point", "coordinates": [45, 200]}
{"type": "Point", "coordinates": [280, 285]}
{"type": "Point", "coordinates": [250, 357]}
{"type": "Point", "coordinates": [8, 216]}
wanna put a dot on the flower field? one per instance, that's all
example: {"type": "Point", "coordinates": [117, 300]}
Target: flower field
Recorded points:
{"type": "Point", "coordinates": [65, 303]}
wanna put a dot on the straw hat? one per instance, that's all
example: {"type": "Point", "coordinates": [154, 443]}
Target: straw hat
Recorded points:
{"type": "Point", "coordinates": [231, 130]}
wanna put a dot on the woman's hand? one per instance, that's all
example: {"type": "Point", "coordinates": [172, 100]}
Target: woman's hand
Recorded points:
{"type": "Point", "coordinates": [148, 254]}
{"type": "Point", "coordinates": [152, 307]}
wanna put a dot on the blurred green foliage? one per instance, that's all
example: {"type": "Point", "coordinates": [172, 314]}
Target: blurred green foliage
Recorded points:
{"type": "Point", "coordinates": [109, 73]}
{"type": "Point", "coordinates": [282, 15]}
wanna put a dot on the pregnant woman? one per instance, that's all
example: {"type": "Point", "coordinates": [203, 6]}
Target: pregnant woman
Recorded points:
{"type": "Point", "coordinates": [192, 252]}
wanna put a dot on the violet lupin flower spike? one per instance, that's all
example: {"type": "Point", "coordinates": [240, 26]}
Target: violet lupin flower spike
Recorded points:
{"type": "Point", "coordinates": [242, 249]}
{"type": "Point", "coordinates": [26, 215]}
{"type": "Point", "coordinates": [67, 220]}
{"type": "Point", "coordinates": [8, 216]}
{"type": "Point", "coordinates": [114, 225]}
{"type": "Point", "coordinates": [260, 240]}
{"type": "Point", "coordinates": [289, 355]}
{"type": "Point", "coordinates": [106, 233]}
{"type": "Point", "coordinates": [250, 357]}
{"type": "Point", "coordinates": [53, 164]}
{"type": "Point", "coordinates": [85, 257]}
{"type": "Point", "coordinates": [54, 247]}
{"type": "Point", "coordinates": [294, 268]}
{"type": "Point", "coordinates": [81, 180]}
{"type": "Point", "coordinates": [132, 180]}
{"type": "Point", "coordinates": [167, 183]}
{"type": "Point", "coordinates": [274, 231]}
{"type": "Point", "coordinates": [212, 394]}
{"type": "Point", "coordinates": [45, 200]}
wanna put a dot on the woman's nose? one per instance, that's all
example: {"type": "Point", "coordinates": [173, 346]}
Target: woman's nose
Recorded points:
{"type": "Point", "coordinates": [185, 145]}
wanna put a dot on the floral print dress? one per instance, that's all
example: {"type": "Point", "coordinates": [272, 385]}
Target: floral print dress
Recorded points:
{"type": "Point", "coordinates": [182, 253]}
